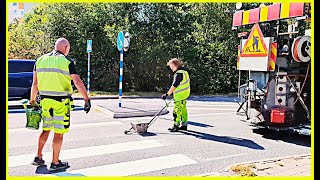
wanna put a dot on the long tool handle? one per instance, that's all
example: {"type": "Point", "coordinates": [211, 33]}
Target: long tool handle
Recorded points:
{"type": "Point", "coordinates": [24, 104]}
{"type": "Point", "coordinates": [25, 107]}
{"type": "Point", "coordinates": [155, 117]}
{"type": "Point", "coordinates": [130, 129]}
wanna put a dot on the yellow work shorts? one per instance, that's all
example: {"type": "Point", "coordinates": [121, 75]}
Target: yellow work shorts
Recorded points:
{"type": "Point", "coordinates": [55, 115]}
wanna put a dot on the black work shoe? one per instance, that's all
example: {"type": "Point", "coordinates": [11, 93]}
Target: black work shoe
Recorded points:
{"type": "Point", "coordinates": [60, 165]}
{"type": "Point", "coordinates": [183, 128]}
{"type": "Point", "coordinates": [175, 128]}
{"type": "Point", "coordinates": [38, 161]}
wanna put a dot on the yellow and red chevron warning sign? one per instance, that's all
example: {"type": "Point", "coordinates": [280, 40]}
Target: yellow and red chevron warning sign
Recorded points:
{"type": "Point", "coordinates": [273, 57]}
{"type": "Point", "coordinates": [255, 46]}
{"type": "Point", "coordinates": [270, 13]}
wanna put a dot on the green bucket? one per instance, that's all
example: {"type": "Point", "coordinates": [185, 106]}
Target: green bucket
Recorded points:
{"type": "Point", "coordinates": [33, 116]}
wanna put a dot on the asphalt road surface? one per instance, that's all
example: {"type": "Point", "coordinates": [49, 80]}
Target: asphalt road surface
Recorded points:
{"type": "Point", "coordinates": [97, 146]}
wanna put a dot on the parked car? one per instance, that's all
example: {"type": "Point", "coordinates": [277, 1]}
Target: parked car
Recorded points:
{"type": "Point", "coordinates": [20, 78]}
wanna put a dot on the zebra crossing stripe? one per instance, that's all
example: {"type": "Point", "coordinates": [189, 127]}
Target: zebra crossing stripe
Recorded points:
{"type": "Point", "coordinates": [98, 124]}
{"type": "Point", "coordinates": [212, 105]}
{"type": "Point", "coordinates": [213, 109]}
{"type": "Point", "coordinates": [73, 126]}
{"type": "Point", "coordinates": [21, 160]}
{"type": "Point", "coordinates": [132, 167]}
{"type": "Point", "coordinates": [210, 114]}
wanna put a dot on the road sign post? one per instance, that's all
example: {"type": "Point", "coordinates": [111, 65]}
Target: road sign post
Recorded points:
{"type": "Point", "coordinates": [123, 42]}
{"type": "Point", "coordinates": [120, 42]}
{"type": "Point", "coordinates": [89, 49]}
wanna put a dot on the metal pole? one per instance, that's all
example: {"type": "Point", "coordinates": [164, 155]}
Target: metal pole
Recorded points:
{"type": "Point", "coordinates": [88, 85]}
{"type": "Point", "coordinates": [249, 98]}
{"type": "Point", "coordinates": [239, 83]}
{"type": "Point", "coordinates": [120, 79]}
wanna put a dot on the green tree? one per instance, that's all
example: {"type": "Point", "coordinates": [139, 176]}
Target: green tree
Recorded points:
{"type": "Point", "coordinates": [198, 33]}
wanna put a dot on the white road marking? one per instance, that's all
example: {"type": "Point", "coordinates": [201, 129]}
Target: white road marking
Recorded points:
{"type": "Point", "coordinates": [218, 109]}
{"type": "Point", "coordinates": [211, 114]}
{"type": "Point", "coordinates": [209, 174]}
{"type": "Point", "coordinates": [26, 159]}
{"type": "Point", "coordinates": [223, 157]}
{"type": "Point", "coordinates": [99, 124]}
{"type": "Point", "coordinates": [213, 105]}
{"type": "Point", "coordinates": [73, 126]}
{"type": "Point", "coordinates": [133, 167]}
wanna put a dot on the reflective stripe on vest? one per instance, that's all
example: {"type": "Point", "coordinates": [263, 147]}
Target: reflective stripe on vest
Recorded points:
{"type": "Point", "coordinates": [57, 126]}
{"type": "Point", "coordinates": [180, 90]}
{"type": "Point", "coordinates": [53, 70]}
{"type": "Point", "coordinates": [53, 118]}
{"type": "Point", "coordinates": [53, 93]}
{"type": "Point", "coordinates": [183, 90]}
{"type": "Point", "coordinates": [53, 76]}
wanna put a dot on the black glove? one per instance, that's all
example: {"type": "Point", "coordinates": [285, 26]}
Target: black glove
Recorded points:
{"type": "Point", "coordinates": [87, 106]}
{"type": "Point", "coordinates": [164, 96]}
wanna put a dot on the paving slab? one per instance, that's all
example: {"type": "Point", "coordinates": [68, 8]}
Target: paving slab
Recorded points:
{"type": "Point", "coordinates": [298, 165]}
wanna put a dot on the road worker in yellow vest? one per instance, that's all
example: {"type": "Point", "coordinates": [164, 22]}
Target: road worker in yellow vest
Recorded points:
{"type": "Point", "coordinates": [181, 91]}
{"type": "Point", "coordinates": [52, 77]}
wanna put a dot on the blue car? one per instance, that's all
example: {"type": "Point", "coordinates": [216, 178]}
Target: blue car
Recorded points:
{"type": "Point", "coordinates": [20, 78]}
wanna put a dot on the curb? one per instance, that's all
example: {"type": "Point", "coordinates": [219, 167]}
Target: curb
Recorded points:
{"type": "Point", "coordinates": [103, 110]}
{"type": "Point", "coordinates": [155, 97]}
{"type": "Point", "coordinates": [127, 115]}
{"type": "Point", "coordinates": [116, 97]}
{"type": "Point", "coordinates": [264, 160]}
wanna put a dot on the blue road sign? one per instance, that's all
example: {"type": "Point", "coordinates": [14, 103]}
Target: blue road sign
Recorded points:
{"type": "Point", "coordinates": [120, 40]}
{"type": "Point", "coordinates": [89, 45]}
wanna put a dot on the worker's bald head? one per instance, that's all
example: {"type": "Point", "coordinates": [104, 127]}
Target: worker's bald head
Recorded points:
{"type": "Point", "coordinates": [62, 45]}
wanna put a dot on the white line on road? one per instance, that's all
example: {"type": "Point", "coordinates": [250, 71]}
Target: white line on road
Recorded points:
{"type": "Point", "coordinates": [73, 126]}
{"type": "Point", "coordinates": [21, 160]}
{"type": "Point", "coordinates": [222, 109]}
{"type": "Point", "coordinates": [86, 125]}
{"type": "Point", "coordinates": [211, 114]}
{"type": "Point", "coordinates": [233, 104]}
{"type": "Point", "coordinates": [133, 167]}
{"type": "Point", "coordinates": [208, 174]}
{"type": "Point", "coordinates": [223, 157]}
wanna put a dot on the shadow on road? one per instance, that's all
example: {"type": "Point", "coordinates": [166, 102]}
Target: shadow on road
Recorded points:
{"type": "Point", "coordinates": [297, 139]}
{"type": "Point", "coordinates": [192, 123]}
{"type": "Point", "coordinates": [62, 172]}
{"type": "Point", "coordinates": [147, 134]}
{"type": "Point", "coordinates": [224, 139]}
{"type": "Point", "coordinates": [199, 124]}
{"type": "Point", "coordinates": [44, 170]}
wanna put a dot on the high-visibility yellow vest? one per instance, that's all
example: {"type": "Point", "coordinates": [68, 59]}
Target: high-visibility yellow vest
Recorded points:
{"type": "Point", "coordinates": [183, 90]}
{"type": "Point", "coordinates": [53, 75]}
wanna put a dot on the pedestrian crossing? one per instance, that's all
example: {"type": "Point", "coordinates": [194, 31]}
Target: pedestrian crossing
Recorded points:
{"type": "Point", "coordinates": [133, 167]}
{"type": "Point", "coordinates": [125, 167]}
{"type": "Point", "coordinates": [96, 146]}
{"type": "Point", "coordinates": [74, 126]}
{"type": "Point", "coordinates": [88, 151]}
{"type": "Point", "coordinates": [123, 156]}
